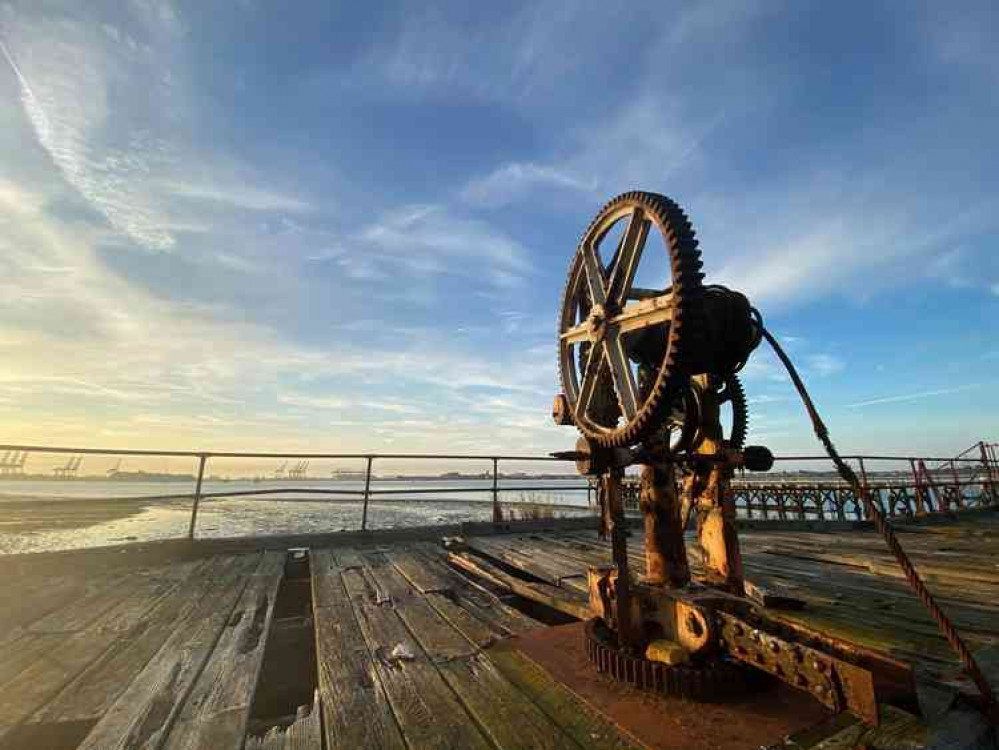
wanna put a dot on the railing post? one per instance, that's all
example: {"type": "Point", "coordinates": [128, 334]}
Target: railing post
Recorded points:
{"type": "Point", "coordinates": [920, 504]}
{"type": "Point", "coordinates": [860, 509]}
{"type": "Point", "coordinates": [987, 479]}
{"type": "Point", "coordinates": [496, 508]}
{"type": "Point", "coordinates": [197, 495]}
{"type": "Point", "coordinates": [958, 487]}
{"type": "Point", "coordinates": [367, 494]}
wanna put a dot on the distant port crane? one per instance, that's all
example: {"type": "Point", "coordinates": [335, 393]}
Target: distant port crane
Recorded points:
{"type": "Point", "coordinates": [279, 472]}
{"type": "Point", "coordinates": [114, 469]}
{"type": "Point", "coordinates": [71, 467]}
{"type": "Point", "coordinates": [12, 463]}
{"type": "Point", "coordinates": [298, 471]}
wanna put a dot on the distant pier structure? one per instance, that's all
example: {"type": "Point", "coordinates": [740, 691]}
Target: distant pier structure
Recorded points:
{"type": "Point", "coordinates": [12, 463]}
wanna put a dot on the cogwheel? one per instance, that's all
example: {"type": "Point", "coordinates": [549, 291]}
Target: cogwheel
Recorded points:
{"type": "Point", "coordinates": [598, 309]}
{"type": "Point", "coordinates": [734, 394]}
{"type": "Point", "coordinates": [711, 680]}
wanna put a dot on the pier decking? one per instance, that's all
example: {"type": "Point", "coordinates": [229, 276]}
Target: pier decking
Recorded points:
{"type": "Point", "coordinates": [408, 651]}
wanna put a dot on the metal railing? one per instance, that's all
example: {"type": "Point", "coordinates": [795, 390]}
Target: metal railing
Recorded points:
{"type": "Point", "coordinates": [959, 483]}
{"type": "Point", "coordinates": [365, 495]}
{"type": "Point", "coordinates": [964, 481]}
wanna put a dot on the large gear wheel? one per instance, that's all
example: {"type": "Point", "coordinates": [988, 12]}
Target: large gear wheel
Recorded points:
{"type": "Point", "coordinates": [709, 681]}
{"type": "Point", "coordinates": [607, 328]}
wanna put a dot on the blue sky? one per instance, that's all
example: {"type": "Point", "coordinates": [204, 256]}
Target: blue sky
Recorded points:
{"type": "Point", "coordinates": [346, 226]}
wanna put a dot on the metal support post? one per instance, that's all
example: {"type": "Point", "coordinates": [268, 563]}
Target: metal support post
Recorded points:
{"type": "Point", "coordinates": [958, 488]}
{"type": "Point", "coordinates": [202, 460]}
{"type": "Point", "coordinates": [626, 627]}
{"type": "Point", "coordinates": [367, 494]}
{"type": "Point", "coordinates": [988, 485]}
{"type": "Point", "coordinates": [665, 551]}
{"type": "Point", "coordinates": [920, 505]}
{"type": "Point", "coordinates": [497, 517]}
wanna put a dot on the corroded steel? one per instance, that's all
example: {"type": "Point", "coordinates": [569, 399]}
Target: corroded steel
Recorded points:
{"type": "Point", "coordinates": [711, 681]}
{"type": "Point", "coordinates": [662, 510]}
{"type": "Point", "coordinates": [685, 343]}
{"type": "Point", "coordinates": [835, 683]}
{"type": "Point", "coordinates": [600, 308]}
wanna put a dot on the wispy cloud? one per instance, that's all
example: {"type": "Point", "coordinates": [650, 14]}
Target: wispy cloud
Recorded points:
{"type": "Point", "coordinates": [915, 396]}
{"type": "Point", "coordinates": [428, 241]}
{"type": "Point", "coordinates": [237, 195]}
{"type": "Point", "coordinates": [824, 365]}
{"type": "Point", "coordinates": [511, 181]}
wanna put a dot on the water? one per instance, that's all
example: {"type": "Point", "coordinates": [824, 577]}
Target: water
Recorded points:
{"type": "Point", "coordinates": [287, 513]}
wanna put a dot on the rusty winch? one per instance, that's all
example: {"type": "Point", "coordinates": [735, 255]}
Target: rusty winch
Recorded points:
{"type": "Point", "coordinates": [649, 378]}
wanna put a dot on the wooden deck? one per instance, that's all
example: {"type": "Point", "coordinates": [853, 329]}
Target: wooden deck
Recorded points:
{"type": "Point", "coordinates": [408, 651]}
{"type": "Point", "coordinates": [851, 585]}
{"type": "Point", "coordinates": [408, 654]}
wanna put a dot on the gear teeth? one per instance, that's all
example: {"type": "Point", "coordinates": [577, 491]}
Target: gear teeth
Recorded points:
{"type": "Point", "coordinates": [709, 681]}
{"type": "Point", "coordinates": [740, 412]}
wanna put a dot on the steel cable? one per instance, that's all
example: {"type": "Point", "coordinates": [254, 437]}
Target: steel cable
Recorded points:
{"type": "Point", "coordinates": [947, 627]}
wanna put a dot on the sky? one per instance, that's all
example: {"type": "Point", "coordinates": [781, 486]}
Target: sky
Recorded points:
{"type": "Point", "coordinates": [332, 226]}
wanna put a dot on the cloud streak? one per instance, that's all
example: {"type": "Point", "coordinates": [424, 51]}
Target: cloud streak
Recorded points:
{"type": "Point", "coordinates": [914, 396]}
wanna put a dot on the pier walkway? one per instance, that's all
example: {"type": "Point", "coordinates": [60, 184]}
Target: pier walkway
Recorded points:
{"type": "Point", "coordinates": [404, 643]}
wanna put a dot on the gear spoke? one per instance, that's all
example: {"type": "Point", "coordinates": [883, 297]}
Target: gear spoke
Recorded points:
{"type": "Point", "coordinates": [596, 280]}
{"type": "Point", "coordinates": [628, 256]}
{"type": "Point", "coordinates": [578, 334]}
{"type": "Point", "coordinates": [624, 380]}
{"type": "Point", "coordinates": [591, 377]}
{"type": "Point", "coordinates": [648, 312]}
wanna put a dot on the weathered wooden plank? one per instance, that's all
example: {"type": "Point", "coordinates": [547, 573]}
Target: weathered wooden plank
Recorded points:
{"type": "Point", "coordinates": [90, 695]}
{"type": "Point", "coordinates": [79, 613]}
{"type": "Point", "coordinates": [356, 711]}
{"type": "Point", "coordinates": [508, 716]}
{"type": "Point", "coordinates": [427, 710]}
{"type": "Point", "coordinates": [576, 719]}
{"type": "Point", "coordinates": [144, 713]}
{"type": "Point", "coordinates": [26, 599]}
{"type": "Point", "coordinates": [217, 710]}
{"type": "Point", "coordinates": [47, 633]}
{"type": "Point", "coordinates": [421, 575]}
{"type": "Point", "coordinates": [43, 679]}
{"type": "Point", "coordinates": [463, 599]}
{"type": "Point", "coordinates": [525, 555]}
{"type": "Point", "coordinates": [304, 734]}
{"type": "Point", "coordinates": [564, 600]}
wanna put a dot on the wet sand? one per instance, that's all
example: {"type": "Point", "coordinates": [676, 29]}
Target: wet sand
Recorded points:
{"type": "Point", "coordinates": [18, 516]}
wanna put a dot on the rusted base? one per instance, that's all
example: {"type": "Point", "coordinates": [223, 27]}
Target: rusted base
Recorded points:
{"type": "Point", "coordinates": [761, 717]}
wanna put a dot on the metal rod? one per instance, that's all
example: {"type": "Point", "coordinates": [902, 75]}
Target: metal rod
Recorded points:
{"type": "Point", "coordinates": [202, 460]}
{"type": "Point", "coordinates": [497, 517]}
{"type": "Point", "coordinates": [987, 465]}
{"type": "Point", "coordinates": [367, 494]}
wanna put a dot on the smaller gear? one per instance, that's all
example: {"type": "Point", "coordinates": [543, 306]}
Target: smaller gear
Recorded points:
{"type": "Point", "coordinates": [681, 428]}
